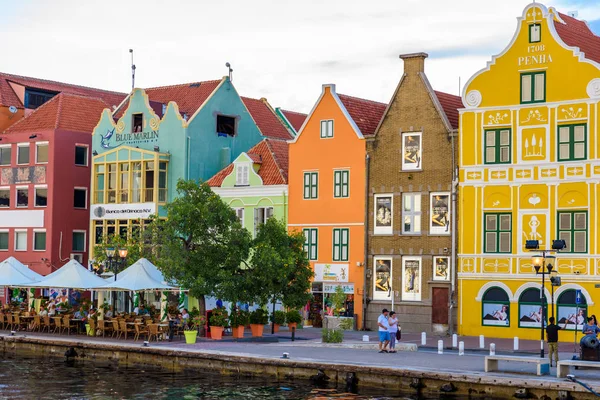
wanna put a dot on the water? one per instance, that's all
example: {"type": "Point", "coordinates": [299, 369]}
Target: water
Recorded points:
{"type": "Point", "coordinates": [23, 377]}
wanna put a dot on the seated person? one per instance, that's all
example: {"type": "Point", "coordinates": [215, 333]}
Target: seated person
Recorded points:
{"type": "Point", "coordinates": [109, 312]}
{"type": "Point", "coordinates": [78, 314]}
{"type": "Point", "coordinates": [185, 316]}
{"type": "Point", "coordinates": [52, 310]}
{"type": "Point", "coordinates": [43, 312]}
{"type": "Point", "coordinates": [589, 329]}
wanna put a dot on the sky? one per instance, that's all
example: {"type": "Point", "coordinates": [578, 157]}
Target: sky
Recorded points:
{"type": "Point", "coordinates": [283, 50]}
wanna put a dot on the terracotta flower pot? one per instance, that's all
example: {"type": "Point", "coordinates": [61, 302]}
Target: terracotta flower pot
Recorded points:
{"type": "Point", "coordinates": [216, 332]}
{"type": "Point", "coordinates": [292, 325]}
{"type": "Point", "coordinates": [276, 328]}
{"type": "Point", "coordinates": [238, 332]}
{"type": "Point", "coordinates": [257, 330]}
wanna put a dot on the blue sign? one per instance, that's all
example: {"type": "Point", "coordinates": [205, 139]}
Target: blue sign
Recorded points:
{"type": "Point", "coordinates": [578, 296]}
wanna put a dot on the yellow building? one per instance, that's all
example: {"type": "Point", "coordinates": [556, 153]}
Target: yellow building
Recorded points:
{"type": "Point", "coordinates": [530, 170]}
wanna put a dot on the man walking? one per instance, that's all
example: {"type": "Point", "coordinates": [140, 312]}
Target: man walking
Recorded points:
{"type": "Point", "coordinates": [384, 334]}
{"type": "Point", "coordinates": [552, 334]}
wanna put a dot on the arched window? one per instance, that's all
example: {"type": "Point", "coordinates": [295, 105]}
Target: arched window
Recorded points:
{"type": "Point", "coordinates": [496, 308]}
{"type": "Point", "coordinates": [530, 309]}
{"type": "Point", "coordinates": [568, 311]}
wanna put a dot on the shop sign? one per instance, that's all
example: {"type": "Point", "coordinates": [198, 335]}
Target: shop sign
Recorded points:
{"type": "Point", "coordinates": [331, 272]}
{"type": "Point", "coordinates": [330, 288]}
{"type": "Point", "coordinates": [122, 211]}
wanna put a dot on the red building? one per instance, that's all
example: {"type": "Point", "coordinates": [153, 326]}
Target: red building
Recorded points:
{"type": "Point", "coordinates": [45, 175]}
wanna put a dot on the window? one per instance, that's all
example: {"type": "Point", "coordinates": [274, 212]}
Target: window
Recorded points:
{"type": "Point", "coordinates": [535, 33]}
{"type": "Point", "coordinates": [41, 153]}
{"type": "Point", "coordinates": [498, 233]}
{"type": "Point", "coordinates": [130, 182]}
{"type": "Point", "coordinates": [21, 240]}
{"type": "Point", "coordinates": [39, 240]}
{"type": "Point", "coordinates": [242, 175]}
{"type": "Point", "coordinates": [530, 309]}
{"type": "Point", "coordinates": [3, 240]}
{"type": "Point", "coordinates": [327, 129]}
{"type": "Point", "coordinates": [411, 270]}
{"type": "Point", "coordinates": [80, 198]}
{"type": "Point", "coordinates": [77, 257]}
{"type": "Point", "coordinates": [572, 228]}
{"type": "Point", "coordinates": [261, 215]}
{"type": "Point", "coordinates": [495, 307]}
{"type": "Point", "coordinates": [439, 213]}
{"type": "Point", "coordinates": [411, 151]}
{"type": "Point", "coordinates": [81, 155]}
{"type": "Point", "coordinates": [149, 181]}
{"type": "Point", "coordinates": [79, 241]}
{"type": "Point", "coordinates": [35, 98]}
{"type": "Point", "coordinates": [123, 195]}
{"type": "Point", "coordinates": [5, 197]}
{"type": "Point", "coordinates": [22, 197]}
{"type": "Point", "coordinates": [311, 185]}
{"type": "Point", "coordinates": [310, 242]}
{"type": "Point", "coordinates": [23, 154]}
{"type": "Point", "coordinates": [382, 281]}
{"type": "Point", "coordinates": [341, 238]}
{"type": "Point", "coordinates": [383, 215]}
{"type": "Point", "coordinates": [569, 312]}
{"type": "Point", "coordinates": [162, 182]}
{"type": "Point", "coordinates": [5, 152]}
{"type": "Point", "coordinates": [225, 126]}
{"type": "Point", "coordinates": [341, 183]}
{"type": "Point", "coordinates": [137, 123]}
{"type": "Point", "coordinates": [239, 212]}
{"type": "Point", "coordinates": [497, 146]}
{"type": "Point", "coordinates": [572, 142]}
{"type": "Point", "coordinates": [411, 213]}
{"type": "Point", "coordinates": [41, 196]}
{"type": "Point", "coordinates": [533, 87]}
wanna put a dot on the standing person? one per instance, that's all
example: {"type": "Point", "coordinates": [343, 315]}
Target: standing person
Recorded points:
{"type": "Point", "coordinates": [384, 334]}
{"type": "Point", "coordinates": [393, 322]}
{"type": "Point", "coordinates": [552, 335]}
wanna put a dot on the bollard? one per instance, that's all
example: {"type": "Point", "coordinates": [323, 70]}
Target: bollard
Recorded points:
{"type": "Point", "coordinates": [365, 338]}
{"type": "Point", "coordinates": [440, 347]}
{"type": "Point", "coordinates": [293, 334]}
{"type": "Point", "coordinates": [516, 344]}
{"type": "Point", "coordinates": [423, 338]}
{"type": "Point", "coordinates": [481, 342]}
{"type": "Point", "coordinates": [492, 349]}
{"type": "Point", "coordinates": [454, 340]}
{"type": "Point", "coordinates": [461, 348]}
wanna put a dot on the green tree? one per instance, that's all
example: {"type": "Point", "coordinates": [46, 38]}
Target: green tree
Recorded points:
{"type": "Point", "coordinates": [137, 244]}
{"type": "Point", "coordinates": [280, 269]}
{"type": "Point", "coordinates": [202, 245]}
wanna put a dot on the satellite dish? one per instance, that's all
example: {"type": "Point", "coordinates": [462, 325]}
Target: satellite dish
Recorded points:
{"type": "Point", "coordinates": [12, 109]}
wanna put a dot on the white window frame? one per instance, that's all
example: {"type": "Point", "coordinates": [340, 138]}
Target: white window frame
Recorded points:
{"type": "Point", "coordinates": [242, 174]}
{"type": "Point", "coordinates": [240, 213]}
{"type": "Point", "coordinates": [87, 154]}
{"type": "Point", "coordinates": [37, 145]}
{"type": "Point", "coordinates": [17, 188]}
{"type": "Point", "coordinates": [76, 256]}
{"type": "Point", "coordinates": [406, 295]}
{"type": "Point", "coordinates": [7, 146]}
{"type": "Point", "coordinates": [326, 129]}
{"type": "Point", "coordinates": [19, 146]}
{"type": "Point", "coordinates": [35, 188]}
{"type": "Point", "coordinates": [86, 197]}
{"type": "Point", "coordinates": [33, 239]}
{"type": "Point", "coordinates": [409, 166]}
{"type": "Point", "coordinates": [266, 216]}
{"type": "Point", "coordinates": [533, 32]}
{"type": "Point", "coordinates": [437, 277]}
{"type": "Point", "coordinates": [412, 214]}
{"type": "Point", "coordinates": [8, 237]}
{"type": "Point", "coordinates": [383, 230]}
{"type": "Point", "coordinates": [7, 188]}
{"type": "Point", "coordinates": [379, 294]}
{"type": "Point", "coordinates": [84, 240]}
{"type": "Point", "coordinates": [17, 231]}
{"type": "Point", "coordinates": [435, 229]}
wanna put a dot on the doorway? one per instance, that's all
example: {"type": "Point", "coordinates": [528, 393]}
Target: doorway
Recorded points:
{"type": "Point", "coordinates": [439, 312]}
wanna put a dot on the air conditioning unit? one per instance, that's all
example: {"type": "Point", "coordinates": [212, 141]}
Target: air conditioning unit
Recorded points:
{"type": "Point", "coordinates": [77, 256]}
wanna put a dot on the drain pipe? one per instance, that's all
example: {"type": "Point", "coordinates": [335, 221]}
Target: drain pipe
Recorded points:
{"type": "Point", "coordinates": [366, 255]}
{"type": "Point", "coordinates": [453, 240]}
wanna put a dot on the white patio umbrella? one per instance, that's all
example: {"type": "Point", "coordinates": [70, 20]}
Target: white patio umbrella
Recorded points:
{"type": "Point", "coordinates": [72, 275]}
{"type": "Point", "coordinates": [13, 273]}
{"type": "Point", "coordinates": [142, 275]}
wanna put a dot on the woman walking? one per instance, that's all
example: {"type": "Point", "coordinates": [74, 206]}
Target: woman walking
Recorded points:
{"type": "Point", "coordinates": [393, 321]}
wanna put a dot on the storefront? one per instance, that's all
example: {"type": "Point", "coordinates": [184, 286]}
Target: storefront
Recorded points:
{"type": "Point", "coordinates": [328, 277]}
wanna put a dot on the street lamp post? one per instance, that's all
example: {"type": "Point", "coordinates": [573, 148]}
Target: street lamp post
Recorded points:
{"type": "Point", "coordinates": [114, 263]}
{"type": "Point", "coordinates": [543, 268]}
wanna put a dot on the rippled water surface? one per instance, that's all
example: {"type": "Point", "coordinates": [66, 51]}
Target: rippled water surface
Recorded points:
{"type": "Point", "coordinates": [23, 377]}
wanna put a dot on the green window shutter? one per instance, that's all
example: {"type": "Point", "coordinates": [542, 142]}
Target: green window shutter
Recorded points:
{"type": "Point", "coordinates": [314, 244]}
{"type": "Point", "coordinates": [497, 233]}
{"type": "Point", "coordinates": [572, 228]}
{"type": "Point", "coordinates": [336, 245]}
{"type": "Point", "coordinates": [572, 142]}
{"type": "Point", "coordinates": [39, 240]}
{"type": "Point", "coordinates": [535, 33]}
{"type": "Point", "coordinates": [306, 241]}
{"type": "Point", "coordinates": [533, 87]}
{"type": "Point", "coordinates": [498, 146]}
{"type": "Point", "coordinates": [345, 183]}
{"type": "Point", "coordinates": [314, 185]}
{"type": "Point", "coordinates": [337, 183]}
{"type": "Point", "coordinates": [344, 244]}
{"type": "Point", "coordinates": [3, 240]}
{"type": "Point", "coordinates": [307, 185]}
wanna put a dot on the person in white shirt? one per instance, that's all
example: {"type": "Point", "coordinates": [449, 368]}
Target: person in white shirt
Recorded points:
{"type": "Point", "coordinates": [393, 321]}
{"type": "Point", "coordinates": [43, 312]}
{"type": "Point", "coordinates": [384, 334]}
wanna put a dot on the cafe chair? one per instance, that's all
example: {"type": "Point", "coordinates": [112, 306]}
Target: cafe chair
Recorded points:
{"type": "Point", "coordinates": [140, 330]}
{"type": "Point", "coordinates": [124, 329]}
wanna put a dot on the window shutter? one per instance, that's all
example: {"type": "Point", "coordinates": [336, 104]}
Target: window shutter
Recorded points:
{"type": "Point", "coordinates": [525, 88]}
{"type": "Point", "coordinates": [269, 213]}
{"type": "Point", "coordinates": [314, 185]}
{"type": "Point", "coordinates": [337, 183]}
{"type": "Point", "coordinates": [307, 185]}
{"type": "Point", "coordinates": [330, 128]}
{"type": "Point", "coordinates": [345, 183]}
{"type": "Point", "coordinates": [256, 220]}
{"type": "Point", "coordinates": [313, 244]}
{"type": "Point", "coordinates": [306, 241]}
{"type": "Point", "coordinates": [336, 244]}
{"type": "Point", "coordinates": [344, 245]}
{"type": "Point", "coordinates": [539, 86]}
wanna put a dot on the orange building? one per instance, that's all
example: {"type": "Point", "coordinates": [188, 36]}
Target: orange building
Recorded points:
{"type": "Point", "coordinates": [327, 195]}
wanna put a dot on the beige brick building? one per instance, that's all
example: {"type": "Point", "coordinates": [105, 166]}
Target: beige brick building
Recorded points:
{"type": "Point", "coordinates": [410, 211]}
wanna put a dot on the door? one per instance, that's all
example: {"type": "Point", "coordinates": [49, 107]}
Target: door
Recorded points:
{"type": "Point", "coordinates": [439, 314]}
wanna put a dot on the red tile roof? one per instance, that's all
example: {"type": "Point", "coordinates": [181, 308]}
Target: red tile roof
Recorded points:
{"type": "Point", "coordinates": [8, 97]}
{"type": "Point", "coordinates": [273, 170]}
{"type": "Point", "coordinates": [577, 33]}
{"type": "Point", "coordinates": [64, 111]}
{"type": "Point", "coordinates": [450, 103]}
{"type": "Point", "coordinates": [188, 96]}
{"type": "Point", "coordinates": [296, 119]}
{"type": "Point", "coordinates": [267, 121]}
{"type": "Point", "coordinates": [365, 113]}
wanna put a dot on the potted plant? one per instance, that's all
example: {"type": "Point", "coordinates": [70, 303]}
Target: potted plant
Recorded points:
{"type": "Point", "coordinates": [218, 322]}
{"type": "Point", "coordinates": [258, 319]}
{"type": "Point", "coordinates": [238, 319]}
{"type": "Point", "coordinates": [293, 318]}
{"type": "Point", "coordinates": [192, 329]}
{"type": "Point", "coordinates": [278, 319]}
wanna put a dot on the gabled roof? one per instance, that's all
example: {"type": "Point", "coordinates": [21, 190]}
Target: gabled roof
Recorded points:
{"type": "Point", "coordinates": [188, 96]}
{"type": "Point", "coordinates": [577, 33]}
{"type": "Point", "coordinates": [265, 118]}
{"type": "Point", "coordinates": [271, 154]}
{"type": "Point", "coordinates": [64, 111]}
{"type": "Point", "coordinates": [8, 97]}
{"type": "Point", "coordinates": [295, 119]}
{"type": "Point", "coordinates": [450, 104]}
{"type": "Point", "coordinates": [365, 113]}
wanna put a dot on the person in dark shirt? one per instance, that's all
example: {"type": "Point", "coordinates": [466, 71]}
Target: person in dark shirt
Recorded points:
{"type": "Point", "coordinates": [552, 335]}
